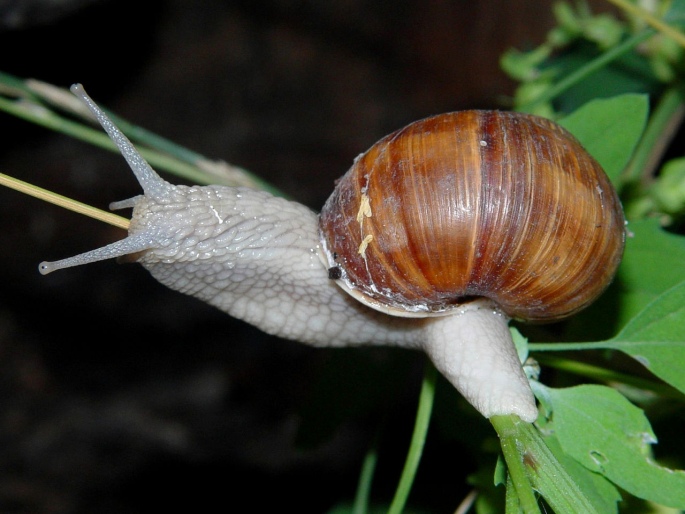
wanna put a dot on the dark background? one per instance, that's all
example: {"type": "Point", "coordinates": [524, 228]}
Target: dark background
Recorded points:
{"type": "Point", "coordinates": [117, 395]}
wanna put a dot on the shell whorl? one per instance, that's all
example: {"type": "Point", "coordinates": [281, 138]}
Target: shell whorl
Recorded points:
{"type": "Point", "coordinates": [475, 203]}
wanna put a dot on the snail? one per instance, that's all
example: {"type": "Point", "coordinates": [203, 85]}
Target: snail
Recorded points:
{"type": "Point", "coordinates": [436, 237]}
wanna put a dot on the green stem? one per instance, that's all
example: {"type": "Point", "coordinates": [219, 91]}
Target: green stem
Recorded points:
{"type": "Point", "coordinates": [361, 498]}
{"type": "Point", "coordinates": [41, 116]}
{"type": "Point", "coordinates": [142, 135]}
{"type": "Point", "coordinates": [661, 128]}
{"type": "Point", "coordinates": [591, 67]}
{"type": "Point", "coordinates": [608, 376]}
{"type": "Point", "coordinates": [564, 347]}
{"type": "Point", "coordinates": [532, 466]}
{"type": "Point", "coordinates": [512, 505]}
{"type": "Point", "coordinates": [178, 156]}
{"type": "Point", "coordinates": [508, 430]}
{"type": "Point", "coordinates": [418, 439]}
{"type": "Point", "coordinates": [650, 19]}
{"type": "Point", "coordinates": [164, 154]}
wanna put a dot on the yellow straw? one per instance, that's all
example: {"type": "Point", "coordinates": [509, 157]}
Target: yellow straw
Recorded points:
{"type": "Point", "coordinates": [63, 201]}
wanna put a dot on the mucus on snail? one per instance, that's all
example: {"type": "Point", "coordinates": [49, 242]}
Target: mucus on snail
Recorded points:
{"type": "Point", "coordinates": [436, 237]}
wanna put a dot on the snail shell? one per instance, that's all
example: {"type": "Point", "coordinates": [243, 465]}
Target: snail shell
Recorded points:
{"type": "Point", "coordinates": [491, 204]}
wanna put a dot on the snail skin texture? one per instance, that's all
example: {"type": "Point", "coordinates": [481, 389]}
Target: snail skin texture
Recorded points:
{"type": "Point", "coordinates": [436, 237]}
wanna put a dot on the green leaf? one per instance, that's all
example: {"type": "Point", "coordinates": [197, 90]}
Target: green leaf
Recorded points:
{"type": "Point", "coordinates": [656, 337]}
{"type": "Point", "coordinates": [530, 462]}
{"type": "Point", "coordinates": [652, 264]}
{"type": "Point", "coordinates": [595, 486]}
{"type": "Point", "coordinates": [668, 190]}
{"type": "Point", "coordinates": [500, 475]}
{"type": "Point", "coordinates": [512, 502]}
{"type": "Point", "coordinates": [587, 74]}
{"type": "Point", "coordinates": [522, 66]}
{"type": "Point", "coordinates": [605, 30]}
{"type": "Point", "coordinates": [676, 12]}
{"type": "Point", "coordinates": [609, 129]}
{"type": "Point", "coordinates": [661, 321]}
{"type": "Point", "coordinates": [607, 434]}
{"type": "Point", "coordinates": [521, 344]}
{"type": "Point", "coordinates": [638, 283]}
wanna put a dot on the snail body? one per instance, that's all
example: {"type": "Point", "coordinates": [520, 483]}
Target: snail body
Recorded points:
{"type": "Point", "coordinates": [430, 241]}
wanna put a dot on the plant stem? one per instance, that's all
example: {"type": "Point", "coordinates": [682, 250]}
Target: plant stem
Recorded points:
{"type": "Point", "coordinates": [563, 347]}
{"type": "Point", "coordinates": [508, 430]}
{"type": "Point", "coordinates": [361, 498]}
{"type": "Point", "coordinates": [39, 115]}
{"type": "Point", "coordinates": [532, 466]}
{"type": "Point", "coordinates": [63, 201]}
{"type": "Point", "coordinates": [588, 69]}
{"type": "Point", "coordinates": [34, 105]}
{"type": "Point", "coordinates": [418, 439]}
{"type": "Point", "coordinates": [512, 505]}
{"type": "Point", "coordinates": [607, 375]}
{"type": "Point", "coordinates": [650, 19]}
{"type": "Point", "coordinates": [661, 128]}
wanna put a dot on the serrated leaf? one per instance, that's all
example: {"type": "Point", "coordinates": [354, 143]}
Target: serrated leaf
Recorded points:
{"type": "Point", "coordinates": [656, 337]}
{"type": "Point", "coordinates": [610, 129]}
{"type": "Point", "coordinates": [607, 434]}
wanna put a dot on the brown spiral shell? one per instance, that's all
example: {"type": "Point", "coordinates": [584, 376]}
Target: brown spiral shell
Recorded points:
{"type": "Point", "coordinates": [468, 204]}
